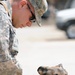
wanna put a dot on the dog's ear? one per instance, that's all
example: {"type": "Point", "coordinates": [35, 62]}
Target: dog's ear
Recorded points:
{"type": "Point", "coordinates": [59, 65]}
{"type": "Point", "coordinates": [40, 69]}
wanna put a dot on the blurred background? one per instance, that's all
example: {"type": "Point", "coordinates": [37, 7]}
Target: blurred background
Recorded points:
{"type": "Point", "coordinates": [51, 44]}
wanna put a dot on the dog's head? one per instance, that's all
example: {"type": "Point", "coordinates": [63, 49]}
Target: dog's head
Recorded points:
{"type": "Point", "coordinates": [55, 70]}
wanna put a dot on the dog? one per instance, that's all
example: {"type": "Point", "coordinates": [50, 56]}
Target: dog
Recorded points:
{"type": "Point", "coordinates": [55, 70]}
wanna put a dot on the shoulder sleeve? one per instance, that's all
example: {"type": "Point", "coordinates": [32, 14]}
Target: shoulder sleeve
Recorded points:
{"type": "Point", "coordinates": [8, 41]}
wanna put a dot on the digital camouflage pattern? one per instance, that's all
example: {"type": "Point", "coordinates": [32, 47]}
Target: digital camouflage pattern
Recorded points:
{"type": "Point", "coordinates": [8, 42]}
{"type": "Point", "coordinates": [40, 7]}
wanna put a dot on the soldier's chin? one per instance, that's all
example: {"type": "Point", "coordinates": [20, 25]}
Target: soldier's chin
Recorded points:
{"type": "Point", "coordinates": [16, 26]}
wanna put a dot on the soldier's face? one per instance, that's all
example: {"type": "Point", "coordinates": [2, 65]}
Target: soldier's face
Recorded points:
{"type": "Point", "coordinates": [21, 14]}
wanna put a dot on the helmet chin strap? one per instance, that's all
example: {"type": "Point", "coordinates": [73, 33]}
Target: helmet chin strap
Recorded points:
{"type": "Point", "coordinates": [5, 6]}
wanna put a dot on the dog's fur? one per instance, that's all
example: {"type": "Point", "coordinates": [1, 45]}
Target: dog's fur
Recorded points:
{"type": "Point", "coordinates": [55, 70]}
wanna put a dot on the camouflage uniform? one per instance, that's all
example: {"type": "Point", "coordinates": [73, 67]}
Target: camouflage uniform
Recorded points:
{"type": "Point", "coordinates": [8, 42]}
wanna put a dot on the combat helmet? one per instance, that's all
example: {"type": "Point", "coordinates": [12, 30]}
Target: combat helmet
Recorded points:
{"type": "Point", "coordinates": [40, 7]}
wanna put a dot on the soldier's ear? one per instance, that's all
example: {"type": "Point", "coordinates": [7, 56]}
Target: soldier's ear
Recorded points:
{"type": "Point", "coordinates": [22, 3]}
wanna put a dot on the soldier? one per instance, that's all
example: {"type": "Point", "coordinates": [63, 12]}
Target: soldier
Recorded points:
{"type": "Point", "coordinates": [22, 14]}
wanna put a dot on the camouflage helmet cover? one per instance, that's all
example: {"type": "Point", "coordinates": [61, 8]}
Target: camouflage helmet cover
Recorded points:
{"type": "Point", "coordinates": [40, 7]}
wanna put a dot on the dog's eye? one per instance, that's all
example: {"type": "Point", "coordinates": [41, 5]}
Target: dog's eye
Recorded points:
{"type": "Point", "coordinates": [55, 74]}
{"type": "Point", "coordinates": [46, 69]}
